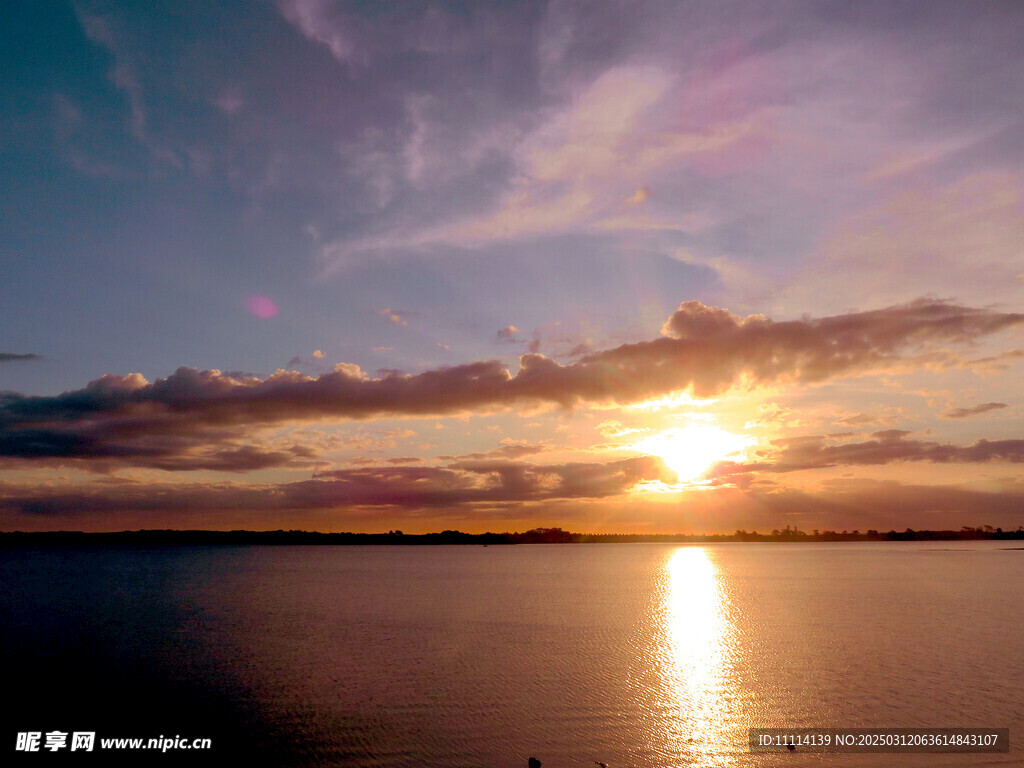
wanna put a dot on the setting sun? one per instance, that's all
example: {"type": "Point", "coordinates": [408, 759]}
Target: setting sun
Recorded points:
{"type": "Point", "coordinates": [689, 451]}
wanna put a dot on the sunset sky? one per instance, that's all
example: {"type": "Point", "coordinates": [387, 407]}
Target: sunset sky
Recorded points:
{"type": "Point", "coordinates": [608, 266]}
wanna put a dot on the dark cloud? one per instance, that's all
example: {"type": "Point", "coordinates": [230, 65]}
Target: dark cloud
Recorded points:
{"type": "Point", "coordinates": [117, 444]}
{"type": "Point", "coordinates": [403, 487]}
{"type": "Point", "coordinates": [245, 458]}
{"type": "Point", "coordinates": [704, 348]}
{"type": "Point", "coordinates": [407, 493]}
{"type": "Point", "coordinates": [889, 446]}
{"type": "Point", "coordinates": [10, 357]}
{"type": "Point", "coordinates": [495, 481]}
{"type": "Point", "coordinates": [975, 410]}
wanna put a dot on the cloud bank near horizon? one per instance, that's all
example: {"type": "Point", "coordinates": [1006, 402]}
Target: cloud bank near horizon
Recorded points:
{"type": "Point", "coordinates": [584, 496]}
{"type": "Point", "coordinates": [200, 419]}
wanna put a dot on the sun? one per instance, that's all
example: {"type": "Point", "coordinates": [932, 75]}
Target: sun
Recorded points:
{"type": "Point", "coordinates": [689, 451]}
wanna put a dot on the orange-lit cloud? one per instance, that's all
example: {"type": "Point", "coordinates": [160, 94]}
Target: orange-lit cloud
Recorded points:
{"type": "Point", "coordinates": [395, 316]}
{"type": "Point", "coordinates": [706, 349]}
{"type": "Point", "coordinates": [889, 446]}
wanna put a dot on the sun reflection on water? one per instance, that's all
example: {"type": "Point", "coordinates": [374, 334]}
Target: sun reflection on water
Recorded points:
{"type": "Point", "coordinates": [696, 658]}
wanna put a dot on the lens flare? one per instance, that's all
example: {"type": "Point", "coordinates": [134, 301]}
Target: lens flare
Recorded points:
{"type": "Point", "coordinates": [260, 306]}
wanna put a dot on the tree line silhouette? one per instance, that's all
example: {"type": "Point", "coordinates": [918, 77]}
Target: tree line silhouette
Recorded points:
{"type": "Point", "coordinates": [533, 536]}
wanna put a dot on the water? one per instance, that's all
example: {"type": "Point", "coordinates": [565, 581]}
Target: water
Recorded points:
{"type": "Point", "coordinates": [629, 654]}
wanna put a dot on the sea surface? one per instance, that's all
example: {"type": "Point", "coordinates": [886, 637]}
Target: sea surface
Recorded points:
{"type": "Point", "coordinates": [473, 656]}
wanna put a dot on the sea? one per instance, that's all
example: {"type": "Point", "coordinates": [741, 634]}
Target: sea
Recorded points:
{"type": "Point", "coordinates": [639, 654]}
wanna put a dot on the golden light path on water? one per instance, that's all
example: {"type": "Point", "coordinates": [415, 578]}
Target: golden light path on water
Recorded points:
{"type": "Point", "coordinates": [696, 652]}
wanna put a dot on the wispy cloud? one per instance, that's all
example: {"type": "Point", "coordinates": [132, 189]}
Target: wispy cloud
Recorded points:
{"type": "Point", "coordinates": [326, 23]}
{"type": "Point", "coordinates": [959, 240]}
{"type": "Point", "coordinates": [509, 450]}
{"type": "Point", "coordinates": [104, 30]}
{"type": "Point", "coordinates": [586, 168]}
{"type": "Point", "coordinates": [974, 410]}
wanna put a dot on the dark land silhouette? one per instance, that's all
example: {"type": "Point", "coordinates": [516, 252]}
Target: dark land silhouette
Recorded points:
{"type": "Point", "coordinates": [534, 536]}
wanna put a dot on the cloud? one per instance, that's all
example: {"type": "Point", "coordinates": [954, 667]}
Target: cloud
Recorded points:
{"type": "Point", "coordinates": [508, 333]}
{"type": "Point", "coordinates": [326, 23]}
{"type": "Point", "coordinates": [976, 410]}
{"type": "Point", "coordinates": [849, 503]}
{"type": "Point", "coordinates": [403, 487]}
{"type": "Point", "coordinates": [960, 239]}
{"type": "Point", "coordinates": [299, 361]}
{"type": "Point", "coordinates": [583, 348]}
{"type": "Point", "coordinates": [567, 163]}
{"type": "Point", "coordinates": [373, 496]}
{"type": "Point", "coordinates": [639, 196]}
{"type": "Point", "coordinates": [489, 481]}
{"type": "Point", "coordinates": [10, 357]}
{"type": "Point", "coordinates": [706, 349]}
{"type": "Point", "coordinates": [396, 316]}
{"type": "Point", "coordinates": [889, 416]}
{"type": "Point", "coordinates": [127, 442]}
{"type": "Point", "coordinates": [230, 102]}
{"type": "Point", "coordinates": [996, 363]}
{"type": "Point", "coordinates": [889, 446]}
{"type": "Point", "coordinates": [113, 35]}
{"type": "Point", "coordinates": [587, 166]}
{"type": "Point", "coordinates": [245, 458]}
{"type": "Point", "coordinates": [509, 450]}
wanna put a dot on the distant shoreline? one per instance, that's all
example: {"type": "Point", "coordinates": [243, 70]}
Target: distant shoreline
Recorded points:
{"type": "Point", "coordinates": [535, 536]}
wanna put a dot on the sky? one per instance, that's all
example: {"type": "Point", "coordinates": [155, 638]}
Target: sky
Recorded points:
{"type": "Point", "coordinates": [611, 267]}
